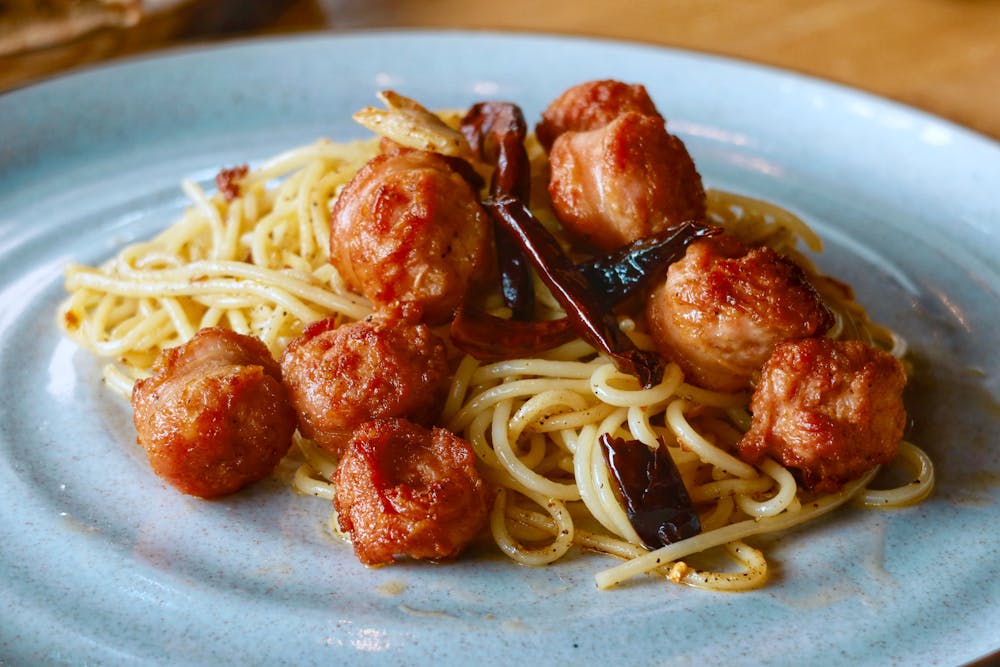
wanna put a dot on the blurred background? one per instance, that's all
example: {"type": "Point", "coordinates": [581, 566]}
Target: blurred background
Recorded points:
{"type": "Point", "coordinates": [942, 56]}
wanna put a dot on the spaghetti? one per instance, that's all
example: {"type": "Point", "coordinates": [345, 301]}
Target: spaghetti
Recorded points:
{"type": "Point", "coordinates": [258, 263]}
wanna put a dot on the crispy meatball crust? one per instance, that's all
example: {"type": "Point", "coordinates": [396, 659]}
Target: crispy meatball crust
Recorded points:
{"type": "Point", "coordinates": [623, 181]}
{"type": "Point", "coordinates": [829, 410]}
{"type": "Point", "coordinates": [405, 489]}
{"type": "Point", "coordinates": [723, 307]}
{"type": "Point", "coordinates": [341, 376]}
{"type": "Point", "coordinates": [409, 229]}
{"type": "Point", "coordinates": [592, 105]}
{"type": "Point", "coordinates": [214, 416]}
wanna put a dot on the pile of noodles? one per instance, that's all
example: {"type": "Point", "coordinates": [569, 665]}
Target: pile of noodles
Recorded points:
{"type": "Point", "coordinates": [258, 264]}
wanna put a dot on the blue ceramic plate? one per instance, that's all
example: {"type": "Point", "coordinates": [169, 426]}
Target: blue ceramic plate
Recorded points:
{"type": "Point", "coordinates": [101, 563]}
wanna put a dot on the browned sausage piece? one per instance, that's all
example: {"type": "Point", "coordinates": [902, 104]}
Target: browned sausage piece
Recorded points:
{"type": "Point", "coordinates": [829, 410]}
{"type": "Point", "coordinates": [214, 416]}
{"type": "Point", "coordinates": [723, 307]}
{"type": "Point", "coordinates": [403, 489]}
{"type": "Point", "coordinates": [382, 366]}
{"type": "Point", "coordinates": [591, 105]}
{"type": "Point", "coordinates": [409, 229]}
{"type": "Point", "coordinates": [623, 181]}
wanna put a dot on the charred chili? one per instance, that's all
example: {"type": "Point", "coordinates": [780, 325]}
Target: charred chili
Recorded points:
{"type": "Point", "coordinates": [595, 323]}
{"type": "Point", "coordinates": [650, 486]}
{"type": "Point", "coordinates": [496, 131]}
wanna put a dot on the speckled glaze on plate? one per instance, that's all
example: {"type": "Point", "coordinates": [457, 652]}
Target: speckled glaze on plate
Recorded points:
{"type": "Point", "coordinates": [100, 563]}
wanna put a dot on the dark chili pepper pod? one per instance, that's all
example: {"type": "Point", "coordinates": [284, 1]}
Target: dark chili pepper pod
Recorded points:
{"type": "Point", "coordinates": [490, 338]}
{"type": "Point", "coordinates": [593, 320]}
{"type": "Point", "coordinates": [496, 132]}
{"type": "Point", "coordinates": [650, 487]}
{"type": "Point", "coordinates": [622, 273]}
{"type": "Point", "coordinates": [517, 285]}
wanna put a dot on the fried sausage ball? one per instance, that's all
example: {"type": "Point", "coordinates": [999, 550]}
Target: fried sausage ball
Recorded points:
{"type": "Point", "coordinates": [829, 410]}
{"type": "Point", "coordinates": [409, 229]}
{"type": "Point", "coordinates": [405, 489]}
{"type": "Point", "coordinates": [340, 376]}
{"type": "Point", "coordinates": [592, 105]}
{"type": "Point", "coordinates": [623, 181]}
{"type": "Point", "coordinates": [214, 416]}
{"type": "Point", "coordinates": [723, 307]}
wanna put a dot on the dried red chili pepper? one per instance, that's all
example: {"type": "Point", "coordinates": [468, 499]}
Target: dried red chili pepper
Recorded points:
{"type": "Point", "coordinates": [496, 132]}
{"type": "Point", "coordinates": [593, 320]}
{"type": "Point", "coordinates": [652, 492]}
{"type": "Point", "coordinates": [620, 274]}
{"type": "Point", "coordinates": [490, 338]}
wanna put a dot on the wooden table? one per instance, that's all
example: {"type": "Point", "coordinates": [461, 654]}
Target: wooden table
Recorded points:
{"type": "Point", "coordinates": [942, 56]}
